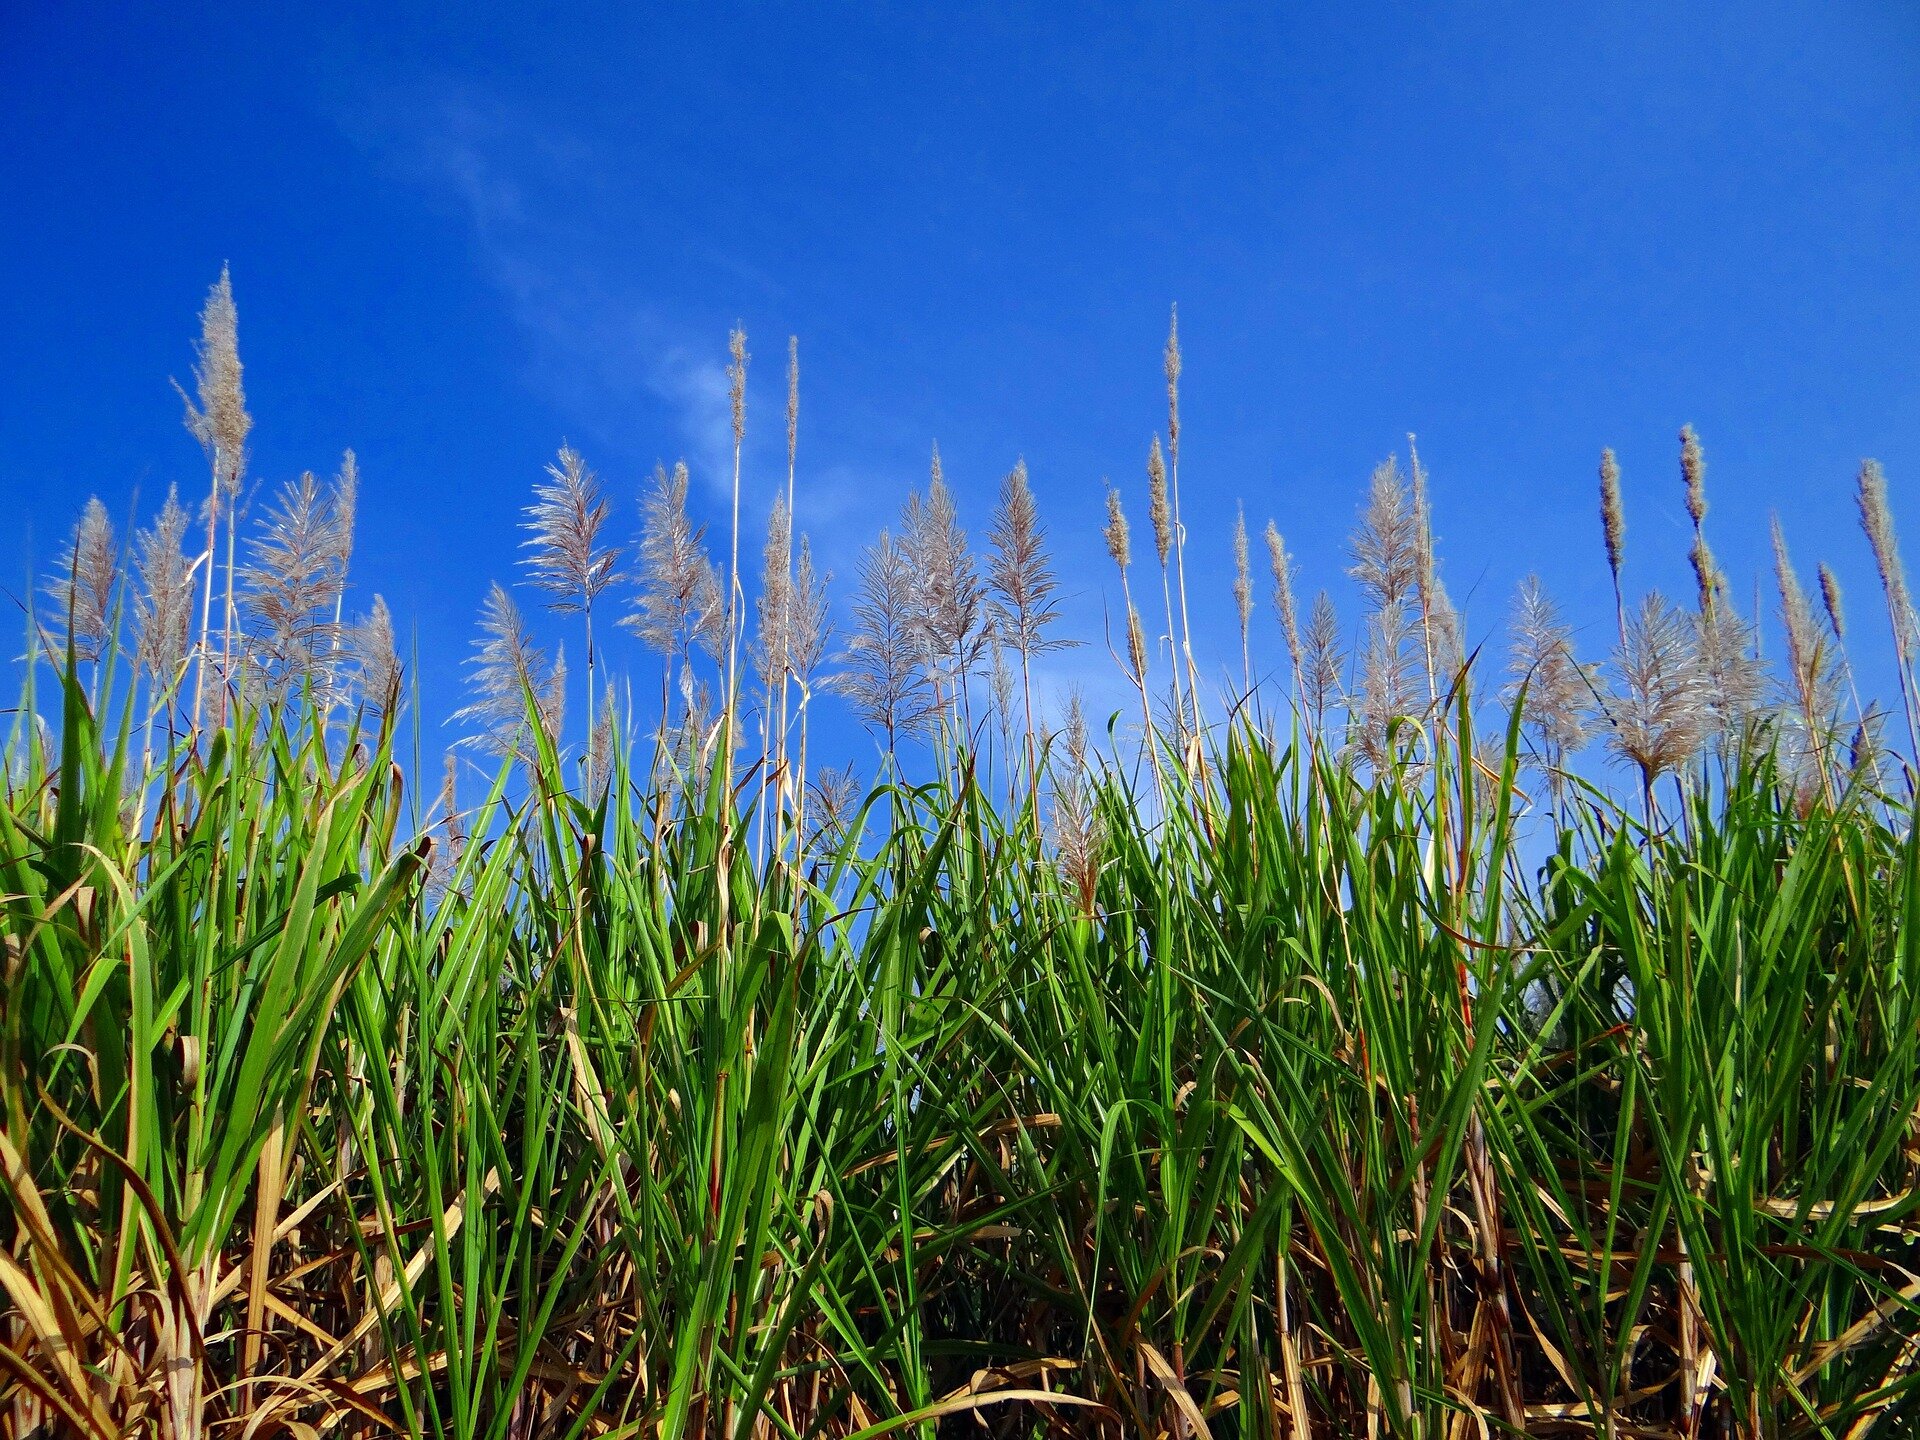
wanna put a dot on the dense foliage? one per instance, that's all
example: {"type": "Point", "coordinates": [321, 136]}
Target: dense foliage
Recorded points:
{"type": "Point", "coordinates": [1315, 1109]}
{"type": "Point", "coordinates": [1342, 1064]}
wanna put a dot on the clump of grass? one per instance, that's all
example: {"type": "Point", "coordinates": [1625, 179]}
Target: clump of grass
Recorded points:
{"type": "Point", "coordinates": [1331, 1088]}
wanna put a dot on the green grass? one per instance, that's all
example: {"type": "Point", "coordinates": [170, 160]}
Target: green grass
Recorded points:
{"type": "Point", "coordinates": [1343, 1105]}
{"type": "Point", "coordinates": [1378, 1076]}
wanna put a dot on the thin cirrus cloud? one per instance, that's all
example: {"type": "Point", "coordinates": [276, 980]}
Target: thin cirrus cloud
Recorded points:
{"type": "Point", "coordinates": [631, 384]}
{"type": "Point", "coordinates": [596, 349]}
{"type": "Point", "coordinates": [639, 387]}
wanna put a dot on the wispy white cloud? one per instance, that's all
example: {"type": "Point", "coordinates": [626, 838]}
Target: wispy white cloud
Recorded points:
{"type": "Point", "coordinates": [698, 388]}
{"type": "Point", "coordinates": [530, 196]}
{"type": "Point", "coordinates": [1088, 672]}
{"type": "Point", "coordinates": [527, 190]}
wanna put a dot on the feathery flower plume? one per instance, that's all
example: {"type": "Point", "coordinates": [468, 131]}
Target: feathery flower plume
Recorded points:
{"type": "Point", "coordinates": [679, 600]}
{"type": "Point", "coordinates": [1736, 679]}
{"type": "Point", "coordinates": [1804, 641]}
{"type": "Point", "coordinates": [1161, 514]}
{"type": "Point", "coordinates": [210, 687]}
{"type": "Point", "coordinates": [564, 525]}
{"type": "Point", "coordinates": [1558, 692]}
{"type": "Point", "coordinates": [1706, 572]}
{"type": "Point", "coordinates": [1005, 700]}
{"type": "Point", "coordinates": [774, 608]}
{"type": "Point", "coordinates": [678, 604]}
{"type": "Point", "coordinates": [709, 614]}
{"type": "Point", "coordinates": [834, 792]}
{"type": "Point", "coordinates": [1157, 507]}
{"type": "Point", "coordinates": [373, 650]}
{"type": "Point", "coordinates": [949, 608]}
{"type": "Point", "coordinates": [1864, 751]}
{"type": "Point", "coordinates": [688, 773]}
{"type": "Point", "coordinates": [1118, 536]}
{"type": "Point", "coordinates": [1811, 676]}
{"type": "Point", "coordinates": [1613, 524]}
{"type": "Point", "coordinates": [221, 424]}
{"type": "Point", "coordinates": [601, 744]}
{"type": "Point", "coordinates": [1281, 565]}
{"type": "Point", "coordinates": [449, 806]}
{"type": "Point", "coordinates": [1831, 600]}
{"type": "Point", "coordinates": [1022, 578]}
{"type": "Point", "coordinates": [163, 603]}
{"type": "Point", "coordinates": [82, 588]}
{"type": "Point", "coordinates": [808, 623]}
{"type": "Point", "coordinates": [793, 405]}
{"type": "Point", "coordinates": [1076, 827]}
{"type": "Point", "coordinates": [737, 405]}
{"type": "Point", "coordinates": [1693, 475]}
{"type": "Point", "coordinates": [1876, 518]}
{"type": "Point", "coordinates": [1184, 642]}
{"type": "Point", "coordinates": [1321, 660]}
{"type": "Point", "coordinates": [1170, 360]}
{"type": "Point", "coordinates": [1386, 544]}
{"type": "Point", "coordinates": [1445, 651]}
{"type": "Point", "coordinates": [1425, 563]}
{"type": "Point", "coordinates": [445, 862]}
{"type": "Point", "coordinates": [1243, 592]}
{"type": "Point", "coordinates": [553, 699]}
{"type": "Point", "coordinates": [292, 582]}
{"type": "Point", "coordinates": [737, 380]}
{"type": "Point", "coordinates": [568, 561]}
{"type": "Point", "coordinates": [1658, 714]}
{"type": "Point", "coordinates": [1386, 551]}
{"type": "Point", "coordinates": [1386, 690]}
{"type": "Point", "coordinates": [220, 421]}
{"type": "Point", "coordinates": [737, 396]}
{"type": "Point", "coordinates": [1136, 646]}
{"type": "Point", "coordinates": [1024, 607]}
{"type": "Point", "coordinates": [1834, 604]}
{"type": "Point", "coordinates": [510, 673]}
{"type": "Point", "coordinates": [1446, 645]}
{"type": "Point", "coordinates": [343, 507]}
{"type": "Point", "coordinates": [885, 679]}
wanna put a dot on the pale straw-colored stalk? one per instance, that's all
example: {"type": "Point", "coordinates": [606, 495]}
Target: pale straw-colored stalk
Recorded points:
{"type": "Point", "coordinates": [737, 398]}
{"type": "Point", "coordinates": [221, 424]}
{"type": "Point", "coordinates": [1243, 596]}
{"type": "Point", "coordinates": [1172, 366]}
{"type": "Point", "coordinates": [1160, 512]}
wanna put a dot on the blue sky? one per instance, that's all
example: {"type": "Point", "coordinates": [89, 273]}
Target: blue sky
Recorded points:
{"type": "Point", "coordinates": [1523, 232]}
